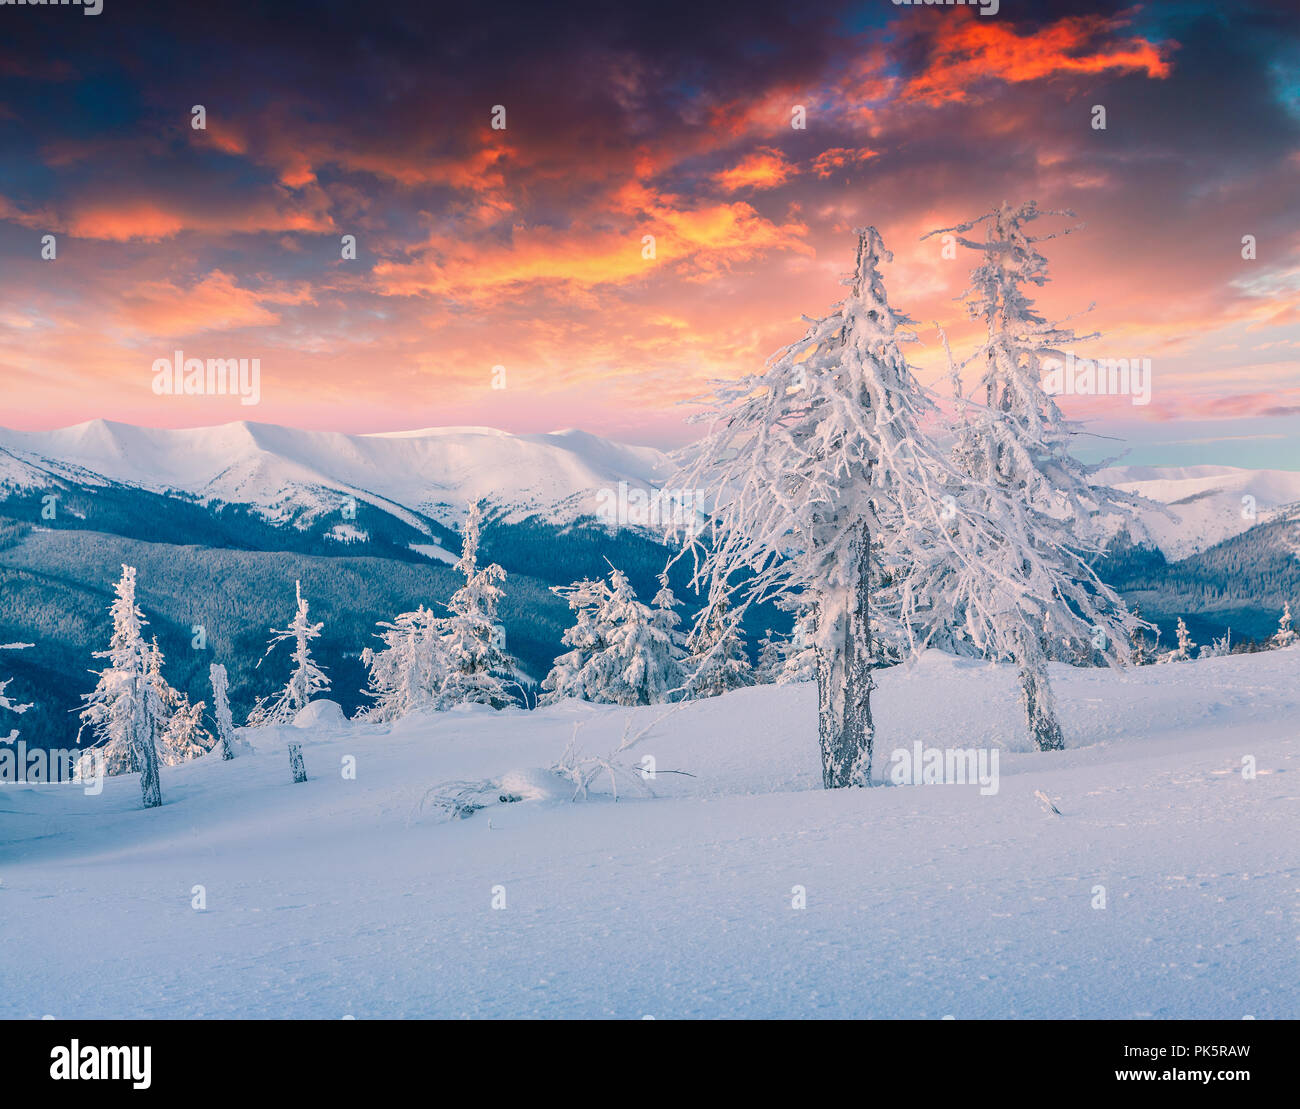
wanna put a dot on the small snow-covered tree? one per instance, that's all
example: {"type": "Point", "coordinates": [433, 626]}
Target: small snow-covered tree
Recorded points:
{"type": "Point", "coordinates": [623, 651]}
{"type": "Point", "coordinates": [1183, 652]}
{"type": "Point", "coordinates": [1219, 647]}
{"type": "Point", "coordinates": [1285, 634]}
{"type": "Point", "coordinates": [181, 734]}
{"type": "Point", "coordinates": [1025, 511]}
{"type": "Point", "coordinates": [231, 745]}
{"type": "Point", "coordinates": [7, 702]}
{"type": "Point", "coordinates": [569, 673]}
{"type": "Point", "coordinates": [805, 460]}
{"type": "Point", "coordinates": [771, 659]}
{"type": "Point", "coordinates": [306, 679]}
{"type": "Point", "coordinates": [799, 656]}
{"type": "Point", "coordinates": [716, 659]}
{"type": "Point", "coordinates": [408, 674]}
{"type": "Point", "coordinates": [666, 619]}
{"type": "Point", "coordinates": [474, 641]}
{"type": "Point", "coordinates": [123, 710]}
{"type": "Point", "coordinates": [1144, 648]}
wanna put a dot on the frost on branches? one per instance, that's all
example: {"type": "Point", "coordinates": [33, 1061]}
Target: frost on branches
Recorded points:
{"type": "Point", "coordinates": [407, 676]}
{"type": "Point", "coordinates": [1025, 514]}
{"type": "Point", "coordinates": [623, 652]}
{"type": "Point", "coordinates": [8, 703]}
{"type": "Point", "coordinates": [473, 639]}
{"type": "Point", "coordinates": [806, 459]}
{"type": "Point", "coordinates": [123, 711]}
{"type": "Point", "coordinates": [306, 680]}
{"type": "Point", "coordinates": [716, 660]}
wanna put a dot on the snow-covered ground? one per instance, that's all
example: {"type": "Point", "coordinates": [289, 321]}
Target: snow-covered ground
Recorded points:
{"type": "Point", "coordinates": [346, 896]}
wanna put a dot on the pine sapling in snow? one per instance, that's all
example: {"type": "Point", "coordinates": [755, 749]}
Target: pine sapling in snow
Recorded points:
{"type": "Point", "coordinates": [798, 656]}
{"type": "Point", "coordinates": [1144, 641]}
{"type": "Point", "coordinates": [407, 676]}
{"type": "Point", "coordinates": [306, 679]}
{"type": "Point", "coordinates": [1183, 652]}
{"type": "Point", "coordinates": [1285, 634]}
{"type": "Point", "coordinates": [665, 618]}
{"type": "Point", "coordinates": [770, 661]}
{"type": "Point", "coordinates": [123, 711]}
{"type": "Point", "coordinates": [716, 659]}
{"type": "Point", "coordinates": [474, 640]}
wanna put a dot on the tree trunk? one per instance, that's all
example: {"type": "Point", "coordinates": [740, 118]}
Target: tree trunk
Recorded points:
{"type": "Point", "coordinates": [844, 680]}
{"type": "Point", "coordinates": [1040, 708]}
{"type": "Point", "coordinates": [146, 758]}
{"type": "Point", "coordinates": [296, 764]}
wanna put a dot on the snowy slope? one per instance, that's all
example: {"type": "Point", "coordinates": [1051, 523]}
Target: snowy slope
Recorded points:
{"type": "Point", "coordinates": [1206, 501]}
{"type": "Point", "coordinates": [345, 897]}
{"type": "Point", "coordinates": [297, 474]}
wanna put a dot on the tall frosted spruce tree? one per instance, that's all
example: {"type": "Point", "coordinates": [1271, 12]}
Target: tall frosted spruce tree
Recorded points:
{"type": "Point", "coordinates": [123, 711]}
{"type": "Point", "coordinates": [807, 460]}
{"type": "Point", "coordinates": [1029, 518]}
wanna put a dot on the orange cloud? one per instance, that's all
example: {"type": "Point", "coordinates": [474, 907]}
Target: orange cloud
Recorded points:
{"type": "Point", "coordinates": [697, 240]}
{"type": "Point", "coordinates": [829, 161]}
{"type": "Point", "coordinates": [765, 168]}
{"type": "Point", "coordinates": [151, 220]}
{"type": "Point", "coordinates": [215, 303]}
{"type": "Point", "coordinates": [967, 51]}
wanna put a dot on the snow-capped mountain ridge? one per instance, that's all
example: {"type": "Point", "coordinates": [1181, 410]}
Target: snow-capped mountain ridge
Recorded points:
{"type": "Point", "coordinates": [1209, 503]}
{"type": "Point", "coordinates": [289, 474]}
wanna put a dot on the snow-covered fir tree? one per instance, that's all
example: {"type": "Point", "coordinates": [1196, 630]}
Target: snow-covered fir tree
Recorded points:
{"type": "Point", "coordinates": [1285, 634]}
{"type": "Point", "coordinates": [477, 664]}
{"type": "Point", "coordinates": [6, 702]}
{"type": "Point", "coordinates": [1144, 641]}
{"type": "Point", "coordinates": [1026, 515]}
{"type": "Point", "coordinates": [799, 656]}
{"type": "Point", "coordinates": [123, 711]}
{"type": "Point", "coordinates": [568, 675]}
{"type": "Point", "coordinates": [665, 605]}
{"type": "Point", "coordinates": [716, 659]}
{"type": "Point", "coordinates": [231, 745]}
{"type": "Point", "coordinates": [181, 734]}
{"type": "Point", "coordinates": [305, 680]}
{"type": "Point", "coordinates": [407, 675]}
{"type": "Point", "coordinates": [1219, 647]}
{"type": "Point", "coordinates": [623, 651]}
{"type": "Point", "coordinates": [808, 457]}
{"type": "Point", "coordinates": [771, 659]}
{"type": "Point", "coordinates": [1183, 652]}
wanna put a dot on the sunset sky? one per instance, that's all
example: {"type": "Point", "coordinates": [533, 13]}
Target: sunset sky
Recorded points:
{"type": "Point", "coordinates": [523, 247]}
